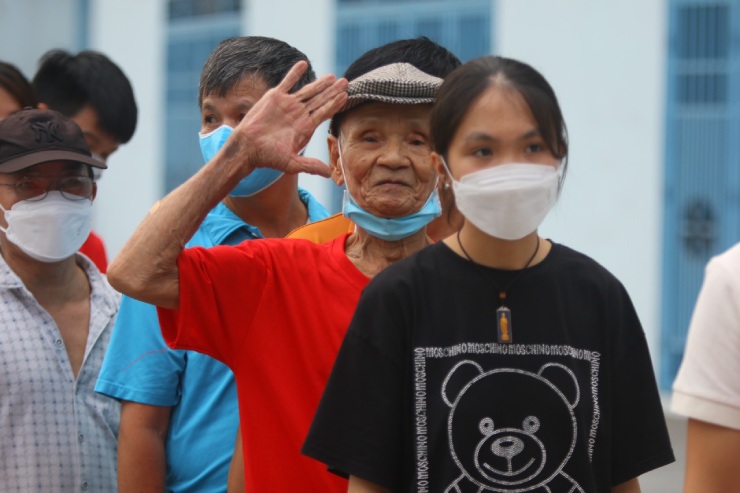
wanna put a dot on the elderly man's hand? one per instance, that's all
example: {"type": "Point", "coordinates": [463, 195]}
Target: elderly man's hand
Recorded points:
{"type": "Point", "coordinates": [271, 134]}
{"type": "Point", "coordinates": [281, 124]}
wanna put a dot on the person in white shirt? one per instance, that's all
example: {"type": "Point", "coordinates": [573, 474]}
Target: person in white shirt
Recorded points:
{"type": "Point", "coordinates": [707, 388]}
{"type": "Point", "coordinates": [56, 313]}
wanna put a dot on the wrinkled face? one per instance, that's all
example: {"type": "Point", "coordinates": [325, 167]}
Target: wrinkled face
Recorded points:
{"type": "Point", "coordinates": [386, 157]}
{"type": "Point", "coordinates": [101, 143]}
{"type": "Point", "coordinates": [498, 128]}
{"type": "Point", "coordinates": [8, 104]}
{"type": "Point", "coordinates": [231, 108]}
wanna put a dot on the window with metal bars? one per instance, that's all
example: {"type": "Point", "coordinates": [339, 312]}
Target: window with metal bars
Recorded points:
{"type": "Point", "coordinates": [181, 9]}
{"type": "Point", "coordinates": [702, 181]}
{"type": "Point", "coordinates": [462, 26]}
{"type": "Point", "coordinates": [195, 28]}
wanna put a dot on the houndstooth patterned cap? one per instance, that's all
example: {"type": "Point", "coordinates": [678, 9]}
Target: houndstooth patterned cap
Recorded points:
{"type": "Point", "coordinates": [397, 83]}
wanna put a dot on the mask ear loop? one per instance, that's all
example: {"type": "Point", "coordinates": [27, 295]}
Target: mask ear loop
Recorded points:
{"type": "Point", "coordinates": [5, 212]}
{"type": "Point", "coordinates": [341, 168]}
{"type": "Point", "coordinates": [341, 160]}
{"type": "Point", "coordinates": [5, 216]}
{"type": "Point", "coordinates": [435, 187]}
{"type": "Point", "coordinates": [447, 169]}
{"type": "Point", "coordinates": [341, 163]}
{"type": "Point", "coordinates": [561, 176]}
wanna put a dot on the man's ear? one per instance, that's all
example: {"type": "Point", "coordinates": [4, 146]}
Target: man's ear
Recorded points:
{"type": "Point", "coordinates": [336, 169]}
{"type": "Point", "coordinates": [437, 163]}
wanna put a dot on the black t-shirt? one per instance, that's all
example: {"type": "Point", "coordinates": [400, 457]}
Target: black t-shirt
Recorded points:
{"type": "Point", "coordinates": [424, 398]}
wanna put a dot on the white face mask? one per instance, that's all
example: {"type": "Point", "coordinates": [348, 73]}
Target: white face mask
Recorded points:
{"type": "Point", "coordinates": [507, 201]}
{"type": "Point", "coordinates": [50, 229]}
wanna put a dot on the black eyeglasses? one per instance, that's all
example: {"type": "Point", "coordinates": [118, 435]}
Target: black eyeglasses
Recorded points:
{"type": "Point", "coordinates": [35, 187]}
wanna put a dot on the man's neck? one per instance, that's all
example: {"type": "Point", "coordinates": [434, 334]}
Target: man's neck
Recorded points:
{"type": "Point", "coordinates": [371, 254]}
{"type": "Point", "coordinates": [63, 290]}
{"type": "Point", "coordinates": [50, 283]}
{"type": "Point", "coordinates": [276, 211]}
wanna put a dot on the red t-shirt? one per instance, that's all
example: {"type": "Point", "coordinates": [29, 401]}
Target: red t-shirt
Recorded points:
{"type": "Point", "coordinates": [274, 311]}
{"type": "Point", "coordinates": [94, 249]}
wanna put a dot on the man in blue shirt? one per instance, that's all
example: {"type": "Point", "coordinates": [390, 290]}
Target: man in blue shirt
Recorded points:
{"type": "Point", "coordinates": [179, 415]}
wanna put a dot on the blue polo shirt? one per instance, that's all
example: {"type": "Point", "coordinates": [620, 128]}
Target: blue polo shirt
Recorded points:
{"type": "Point", "coordinates": [139, 367]}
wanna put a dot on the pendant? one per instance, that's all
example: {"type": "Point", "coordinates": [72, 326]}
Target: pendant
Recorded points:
{"type": "Point", "coordinates": [503, 323]}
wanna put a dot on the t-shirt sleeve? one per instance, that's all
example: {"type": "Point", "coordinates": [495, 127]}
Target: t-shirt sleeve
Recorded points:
{"type": "Point", "coordinates": [220, 291]}
{"type": "Point", "coordinates": [707, 387]}
{"type": "Point", "coordinates": [640, 441]}
{"type": "Point", "coordinates": [357, 429]}
{"type": "Point", "coordinates": [138, 365]}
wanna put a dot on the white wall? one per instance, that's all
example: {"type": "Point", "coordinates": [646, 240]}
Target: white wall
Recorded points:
{"type": "Point", "coordinates": [309, 26]}
{"type": "Point", "coordinates": [606, 62]}
{"type": "Point", "coordinates": [29, 28]}
{"type": "Point", "coordinates": [132, 33]}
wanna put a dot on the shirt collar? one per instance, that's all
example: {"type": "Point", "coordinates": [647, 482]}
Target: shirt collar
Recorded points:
{"type": "Point", "coordinates": [100, 291]}
{"type": "Point", "coordinates": [8, 278]}
{"type": "Point", "coordinates": [221, 222]}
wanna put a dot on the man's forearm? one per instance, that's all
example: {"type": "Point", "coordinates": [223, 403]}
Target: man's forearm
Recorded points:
{"type": "Point", "coordinates": [142, 466]}
{"type": "Point", "coordinates": [146, 267]}
{"type": "Point", "coordinates": [269, 135]}
{"type": "Point", "coordinates": [142, 460]}
{"type": "Point", "coordinates": [235, 483]}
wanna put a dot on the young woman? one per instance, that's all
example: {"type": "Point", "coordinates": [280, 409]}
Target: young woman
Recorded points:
{"type": "Point", "coordinates": [495, 360]}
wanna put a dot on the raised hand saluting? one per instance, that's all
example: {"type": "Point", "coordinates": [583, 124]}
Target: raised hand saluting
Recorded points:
{"type": "Point", "coordinates": [281, 124]}
{"type": "Point", "coordinates": [270, 135]}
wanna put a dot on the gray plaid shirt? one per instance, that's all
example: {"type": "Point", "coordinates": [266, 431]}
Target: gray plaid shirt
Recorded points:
{"type": "Point", "coordinates": [56, 434]}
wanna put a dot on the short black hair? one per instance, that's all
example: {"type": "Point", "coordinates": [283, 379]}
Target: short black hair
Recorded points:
{"type": "Point", "coordinates": [423, 53]}
{"type": "Point", "coordinates": [67, 83]}
{"type": "Point", "coordinates": [242, 56]}
{"type": "Point", "coordinates": [16, 84]}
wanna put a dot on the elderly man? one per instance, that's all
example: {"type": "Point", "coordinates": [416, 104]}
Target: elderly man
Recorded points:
{"type": "Point", "coordinates": [275, 311]}
{"type": "Point", "coordinates": [180, 413]}
{"type": "Point", "coordinates": [56, 316]}
{"type": "Point", "coordinates": [421, 53]}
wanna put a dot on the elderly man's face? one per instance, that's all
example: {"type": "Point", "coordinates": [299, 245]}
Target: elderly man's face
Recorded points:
{"type": "Point", "coordinates": [386, 156]}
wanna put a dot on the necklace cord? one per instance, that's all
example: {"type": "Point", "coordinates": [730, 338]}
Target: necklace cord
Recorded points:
{"type": "Point", "coordinates": [502, 292]}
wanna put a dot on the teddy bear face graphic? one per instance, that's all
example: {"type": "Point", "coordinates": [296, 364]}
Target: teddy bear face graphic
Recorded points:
{"type": "Point", "coordinates": [509, 453]}
{"type": "Point", "coordinates": [511, 430]}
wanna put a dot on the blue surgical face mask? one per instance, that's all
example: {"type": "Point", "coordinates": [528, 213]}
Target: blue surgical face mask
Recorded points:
{"type": "Point", "coordinates": [258, 180]}
{"type": "Point", "coordinates": [389, 229]}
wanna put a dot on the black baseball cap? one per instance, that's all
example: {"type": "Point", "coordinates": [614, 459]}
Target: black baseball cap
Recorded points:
{"type": "Point", "coordinates": [33, 136]}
